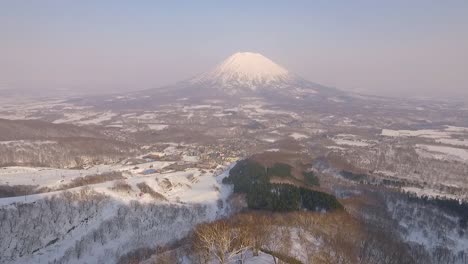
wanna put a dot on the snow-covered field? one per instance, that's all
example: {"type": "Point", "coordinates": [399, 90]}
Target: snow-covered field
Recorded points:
{"type": "Point", "coordinates": [22, 143]}
{"type": "Point", "coordinates": [52, 177]}
{"type": "Point", "coordinates": [445, 133]}
{"type": "Point", "coordinates": [73, 117]}
{"type": "Point", "coordinates": [350, 140]}
{"type": "Point", "coordinates": [157, 127]}
{"type": "Point", "coordinates": [448, 143]}
{"type": "Point", "coordinates": [269, 139]}
{"type": "Point", "coordinates": [443, 152]}
{"type": "Point", "coordinates": [424, 133]}
{"type": "Point", "coordinates": [453, 142]}
{"type": "Point", "coordinates": [98, 119]}
{"type": "Point", "coordinates": [298, 136]}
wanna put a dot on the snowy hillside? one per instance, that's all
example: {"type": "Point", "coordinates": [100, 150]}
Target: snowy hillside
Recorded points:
{"type": "Point", "coordinates": [149, 206]}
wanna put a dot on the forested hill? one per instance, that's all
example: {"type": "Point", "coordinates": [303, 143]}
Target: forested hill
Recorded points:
{"type": "Point", "coordinates": [253, 179]}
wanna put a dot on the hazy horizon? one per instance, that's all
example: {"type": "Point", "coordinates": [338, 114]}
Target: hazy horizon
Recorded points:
{"type": "Point", "coordinates": [416, 49]}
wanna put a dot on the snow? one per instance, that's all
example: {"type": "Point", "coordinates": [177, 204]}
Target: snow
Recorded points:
{"type": "Point", "coordinates": [298, 136]}
{"type": "Point", "coordinates": [192, 194]}
{"type": "Point", "coordinates": [350, 140]}
{"type": "Point", "coordinates": [72, 117]}
{"type": "Point", "coordinates": [45, 176]}
{"type": "Point", "coordinates": [273, 150]}
{"type": "Point", "coordinates": [244, 70]}
{"type": "Point", "coordinates": [245, 67]}
{"type": "Point", "coordinates": [456, 129]}
{"type": "Point", "coordinates": [259, 109]}
{"type": "Point", "coordinates": [454, 142]}
{"type": "Point", "coordinates": [445, 133]}
{"type": "Point", "coordinates": [115, 126]}
{"type": "Point", "coordinates": [205, 188]}
{"type": "Point", "coordinates": [147, 116]}
{"type": "Point", "coordinates": [443, 152]}
{"type": "Point", "coordinates": [52, 177]}
{"type": "Point", "coordinates": [267, 139]}
{"type": "Point", "coordinates": [198, 190]}
{"type": "Point", "coordinates": [335, 148]}
{"type": "Point", "coordinates": [262, 258]}
{"type": "Point", "coordinates": [131, 129]}
{"type": "Point", "coordinates": [222, 114]}
{"type": "Point", "coordinates": [200, 107]}
{"type": "Point", "coordinates": [190, 158]}
{"type": "Point", "coordinates": [425, 133]}
{"type": "Point", "coordinates": [429, 193]}
{"type": "Point", "coordinates": [385, 173]}
{"type": "Point", "coordinates": [171, 150]}
{"type": "Point", "coordinates": [99, 118]}
{"type": "Point", "coordinates": [157, 127]}
{"type": "Point", "coordinates": [428, 227]}
{"type": "Point", "coordinates": [20, 143]}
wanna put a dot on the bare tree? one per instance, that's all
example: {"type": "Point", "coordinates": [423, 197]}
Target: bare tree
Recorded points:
{"type": "Point", "coordinates": [254, 228]}
{"type": "Point", "coordinates": [221, 240]}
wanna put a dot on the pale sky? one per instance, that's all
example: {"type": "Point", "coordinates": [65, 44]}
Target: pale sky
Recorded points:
{"type": "Point", "coordinates": [416, 48]}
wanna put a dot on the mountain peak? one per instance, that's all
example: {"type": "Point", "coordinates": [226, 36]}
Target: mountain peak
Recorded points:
{"type": "Point", "coordinates": [245, 70]}
{"type": "Point", "coordinates": [252, 65]}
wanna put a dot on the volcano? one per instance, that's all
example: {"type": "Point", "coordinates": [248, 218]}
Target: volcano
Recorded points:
{"type": "Point", "coordinates": [241, 75]}
{"type": "Point", "coordinates": [245, 72]}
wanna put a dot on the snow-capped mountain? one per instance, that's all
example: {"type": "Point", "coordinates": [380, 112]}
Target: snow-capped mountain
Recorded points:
{"type": "Point", "coordinates": [241, 75]}
{"type": "Point", "coordinates": [252, 74]}
{"type": "Point", "coordinates": [248, 73]}
{"type": "Point", "coordinates": [244, 71]}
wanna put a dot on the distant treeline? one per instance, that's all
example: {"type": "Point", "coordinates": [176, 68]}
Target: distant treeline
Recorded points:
{"type": "Point", "coordinates": [253, 179]}
{"type": "Point", "coordinates": [358, 177]}
{"type": "Point", "coordinates": [363, 178]}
